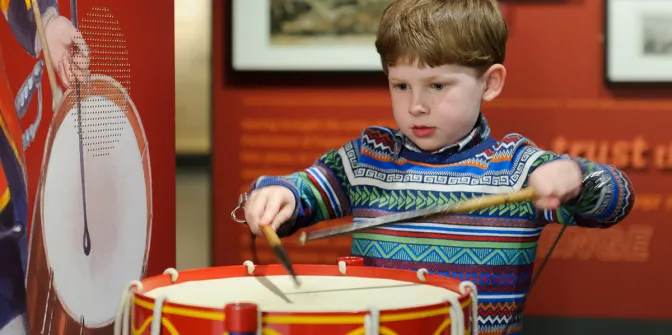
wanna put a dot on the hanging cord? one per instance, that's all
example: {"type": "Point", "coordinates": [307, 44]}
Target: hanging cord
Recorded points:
{"type": "Point", "coordinates": [122, 322]}
{"type": "Point", "coordinates": [157, 316]}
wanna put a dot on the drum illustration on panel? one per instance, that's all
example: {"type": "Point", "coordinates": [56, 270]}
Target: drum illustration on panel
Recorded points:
{"type": "Point", "coordinates": [92, 217]}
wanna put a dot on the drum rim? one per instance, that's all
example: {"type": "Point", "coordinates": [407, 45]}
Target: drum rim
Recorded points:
{"type": "Point", "coordinates": [39, 202]}
{"type": "Point", "coordinates": [236, 271]}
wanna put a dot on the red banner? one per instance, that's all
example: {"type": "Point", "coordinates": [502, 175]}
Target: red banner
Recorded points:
{"type": "Point", "coordinates": [99, 156]}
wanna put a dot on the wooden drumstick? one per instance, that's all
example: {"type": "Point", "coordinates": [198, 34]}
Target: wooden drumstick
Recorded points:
{"type": "Point", "coordinates": [57, 94]}
{"type": "Point", "coordinates": [279, 251]}
{"type": "Point", "coordinates": [459, 207]}
{"type": "Point", "coordinates": [493, 200]}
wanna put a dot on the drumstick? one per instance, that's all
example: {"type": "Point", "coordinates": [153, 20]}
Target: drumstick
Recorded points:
{"type": "Point", "coordinates": [459, 207]}
{"type": "Point", "coordinates": [279, 251]}
{"type": "Point", "coordinates": [57, 94]}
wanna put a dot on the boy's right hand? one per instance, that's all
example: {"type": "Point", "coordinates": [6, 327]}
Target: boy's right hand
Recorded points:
{"type": "Point", "coordinates": [272, 205]}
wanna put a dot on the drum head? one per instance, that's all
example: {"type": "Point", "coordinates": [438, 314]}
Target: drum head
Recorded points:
{"type": "Point", "coordinates": [117, 210]}
{"type": "Point", "coordinates": [316, 294]}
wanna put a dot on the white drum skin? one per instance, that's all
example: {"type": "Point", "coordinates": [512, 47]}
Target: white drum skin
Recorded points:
{"type": "Point", "coordinates": [316, 294]}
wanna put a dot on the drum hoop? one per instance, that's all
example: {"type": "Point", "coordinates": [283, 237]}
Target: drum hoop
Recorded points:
{"type": "Point", "coordinates": [140, 135]}
{"type": "Point", "coordinates": [141, 299]}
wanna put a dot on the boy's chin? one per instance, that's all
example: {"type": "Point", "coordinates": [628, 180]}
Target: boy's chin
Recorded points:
{"type": "Point", "coordinates": [428, 145]}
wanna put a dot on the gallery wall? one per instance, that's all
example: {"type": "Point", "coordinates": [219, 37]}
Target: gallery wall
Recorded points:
{"type": "Point", "coordinates": [193, 76]}
{"type": "Point", "coordinates": [555, 94]}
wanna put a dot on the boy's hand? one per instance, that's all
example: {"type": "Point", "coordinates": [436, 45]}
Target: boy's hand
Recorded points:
{"type": "Point", "coordinates": [272, 205]}
{"type": "Point", "coordinates": [556, 183]}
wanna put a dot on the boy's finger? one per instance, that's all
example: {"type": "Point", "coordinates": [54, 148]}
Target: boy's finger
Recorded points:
{"type": "Point", "coordinates": [271, 210]}
{"type": "Point", "coordinates": [547, 203]}
{"type": "Point", "coordinates": [283, 216]}
{"type": "Point", "coordinates": [254, 209]}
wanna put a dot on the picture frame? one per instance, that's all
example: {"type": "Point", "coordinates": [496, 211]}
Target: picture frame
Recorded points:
{"type": "Point", "coordinates": [275, 41]}
{"type": "Point", "coordinates": [638, 41]}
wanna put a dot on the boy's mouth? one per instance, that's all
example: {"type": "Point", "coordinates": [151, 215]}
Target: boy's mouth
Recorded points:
{"type": "Point", "coordinates": [422, 131]}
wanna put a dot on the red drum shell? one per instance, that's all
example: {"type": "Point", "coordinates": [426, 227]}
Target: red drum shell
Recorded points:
{"type": "Point", "coordinates": [185, 319]}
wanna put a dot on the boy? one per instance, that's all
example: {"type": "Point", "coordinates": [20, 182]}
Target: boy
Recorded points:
{"type": "Point", "coordinates": [442, 58]}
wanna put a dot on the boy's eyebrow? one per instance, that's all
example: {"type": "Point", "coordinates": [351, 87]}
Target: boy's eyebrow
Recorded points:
{"type": "Point", "coordinates": [441, 77]}
{"type": "Point", "coordinates": [436, 77]}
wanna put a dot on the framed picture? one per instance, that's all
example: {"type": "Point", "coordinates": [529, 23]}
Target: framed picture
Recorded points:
{"type": "Point", "coordinates": [638, 41]}
{"type": "Point", "coordinates": [305, 35]}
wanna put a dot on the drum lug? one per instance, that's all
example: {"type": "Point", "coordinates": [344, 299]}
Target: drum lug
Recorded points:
{"type": "Point", "coordinates": [342, 267]}
{"type": "Point", "coordinates": [343, 263]}
{"type": "Point", "coordinates": [172, 272]}
{"type": "Point", "coordinates": [250, 267]}
{"type": "Point", "coordinates": [421, 274]}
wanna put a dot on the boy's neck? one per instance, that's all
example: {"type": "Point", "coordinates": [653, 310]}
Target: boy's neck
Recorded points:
{"type": "Point", "coordinates": [480, 131]}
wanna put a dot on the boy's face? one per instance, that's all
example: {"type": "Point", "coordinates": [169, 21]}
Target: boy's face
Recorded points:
{"type": "Point", "coordinates": [437, 107]}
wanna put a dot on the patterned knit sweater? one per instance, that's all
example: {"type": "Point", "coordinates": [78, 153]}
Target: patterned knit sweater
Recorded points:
{"type": "Point", "coordinates": [382, 172]}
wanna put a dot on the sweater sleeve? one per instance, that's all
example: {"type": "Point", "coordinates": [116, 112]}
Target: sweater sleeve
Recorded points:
{"type": "Point", "coordinates": [321, 192]}
{"type": "Point", "coordinates": [604, 201]}
{"type": "Point", "coordinates": [19, 15]}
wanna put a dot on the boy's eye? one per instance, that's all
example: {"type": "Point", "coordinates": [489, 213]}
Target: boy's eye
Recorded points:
{"type": "Point", "coordinates": [402, 87]}
{"type": "Point", "coordinates": [438, 87]}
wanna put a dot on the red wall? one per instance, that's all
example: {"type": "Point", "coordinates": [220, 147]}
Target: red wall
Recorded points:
{"type": "Point", "coordinates": [554, 95]}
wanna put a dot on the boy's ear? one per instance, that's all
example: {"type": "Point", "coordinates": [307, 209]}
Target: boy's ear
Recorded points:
{"type": "Point", "coordinates": [494, 79]}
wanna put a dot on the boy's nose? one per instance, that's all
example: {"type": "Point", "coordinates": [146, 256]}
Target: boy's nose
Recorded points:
{"type": "Point", "coordinates": [418, 109]}
{"type": "Point", "coordinates": [418, 105]}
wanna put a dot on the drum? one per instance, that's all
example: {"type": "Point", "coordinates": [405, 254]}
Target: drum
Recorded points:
{"type": "Point", "coordinates": [73, 284]}
{"type": "Point", "coordinates": [345, 299]}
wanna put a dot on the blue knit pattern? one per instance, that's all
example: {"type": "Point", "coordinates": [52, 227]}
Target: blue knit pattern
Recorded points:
{"type": "Point", "coordinates": [379, 174]}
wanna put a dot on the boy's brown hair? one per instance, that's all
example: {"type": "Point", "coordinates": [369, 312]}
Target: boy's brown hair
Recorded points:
{"type": "Point", "coordinates": [470, 33]}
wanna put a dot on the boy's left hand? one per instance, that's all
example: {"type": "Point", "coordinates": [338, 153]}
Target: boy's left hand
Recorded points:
{"type": "Point", "coordinates": [556, 182]}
